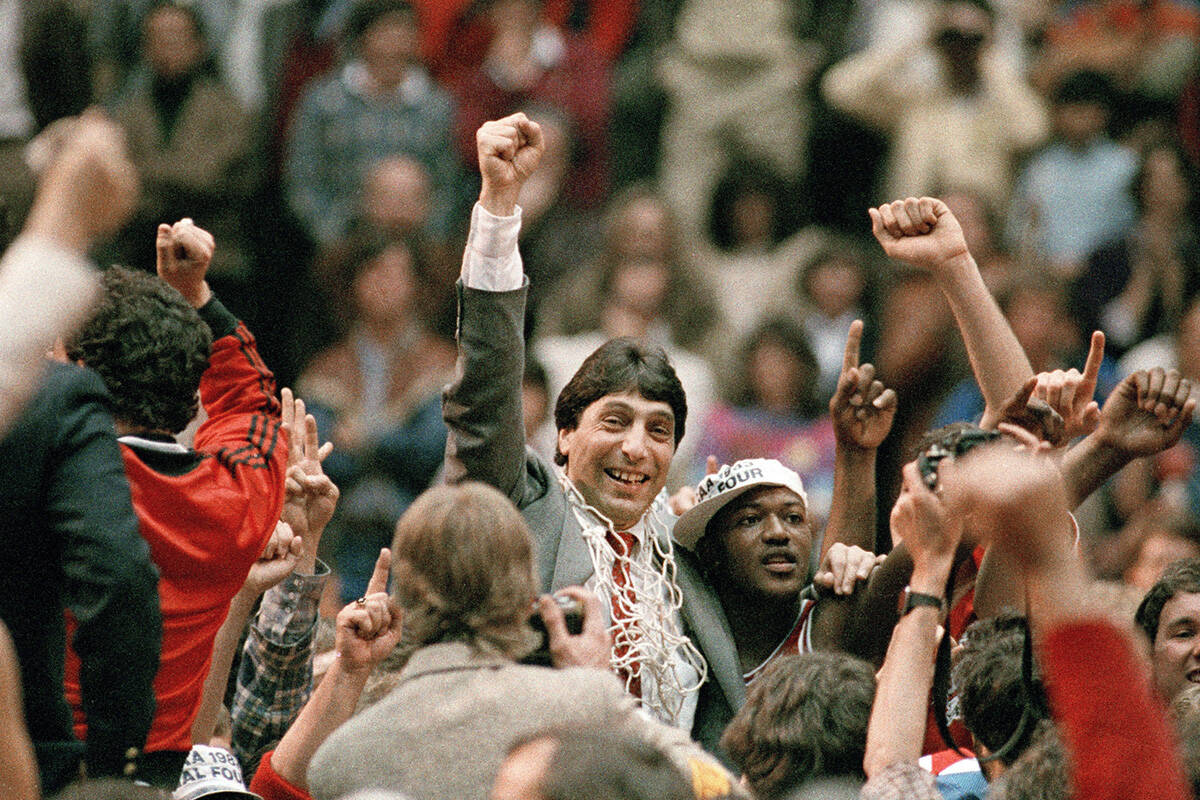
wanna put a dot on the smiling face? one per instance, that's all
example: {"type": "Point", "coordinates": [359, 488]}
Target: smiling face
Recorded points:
{"type": "Point", "coordinates": [764, 539]}
{"type": "Point", "coordinates": [619, 453]}
{"type": "Point", "coordinates": [1176, 650]}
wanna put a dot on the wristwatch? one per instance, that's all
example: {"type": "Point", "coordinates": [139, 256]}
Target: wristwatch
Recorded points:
{"type": "Point", "coordinates": [910, 600]}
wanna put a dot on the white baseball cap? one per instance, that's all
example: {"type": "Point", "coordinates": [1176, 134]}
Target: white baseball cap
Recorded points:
{"type": "Point", "coordinates": [728, 483]}
{"type": "Point", "coordinates": [209, 770]}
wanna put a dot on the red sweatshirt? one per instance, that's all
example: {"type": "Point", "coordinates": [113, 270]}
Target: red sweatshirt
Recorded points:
{"type": "Point", "coordinates": [207, 514]}
{"type": "Point", "coordinates": [1111, 723]}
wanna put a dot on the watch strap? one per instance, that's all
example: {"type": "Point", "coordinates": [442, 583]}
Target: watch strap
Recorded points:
{"type": "Point", "coordinates": [913, 599]}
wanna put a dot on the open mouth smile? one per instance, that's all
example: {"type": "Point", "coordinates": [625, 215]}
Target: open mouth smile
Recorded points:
{"type": "Point", "coordinates": [627, 477]}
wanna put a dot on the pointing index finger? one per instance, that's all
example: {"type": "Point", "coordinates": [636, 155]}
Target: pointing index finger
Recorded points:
{"type": "Point", "coordinates": [853, 340]}
{"type": "Point", "coordinates": [1091, 368]}
{"type": "Point", "coordinates": [379, 578]}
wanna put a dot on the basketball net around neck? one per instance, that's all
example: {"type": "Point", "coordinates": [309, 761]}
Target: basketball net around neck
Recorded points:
{"type": "Point", "coordinates": [647, 641]}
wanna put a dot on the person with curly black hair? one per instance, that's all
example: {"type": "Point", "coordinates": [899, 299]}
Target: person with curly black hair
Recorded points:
{"type": "Point", "coordinates": [150, 347]}
{"type": "Point", "coordinates": [163, 346]}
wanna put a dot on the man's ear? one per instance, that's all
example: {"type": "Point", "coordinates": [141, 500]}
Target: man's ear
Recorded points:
{"type": "Point", "coordinates": [565, 436]}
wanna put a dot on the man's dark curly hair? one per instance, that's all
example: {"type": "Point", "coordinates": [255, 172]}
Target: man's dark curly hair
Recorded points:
{"type": "Point", "coordinates": [150, 347]}
{"type": "Point", "coordinates": [1182, 577]}
{"type": "Point", "coordinates": [621, 365]}
{"type": "Point", "coordinates": [991, 692]}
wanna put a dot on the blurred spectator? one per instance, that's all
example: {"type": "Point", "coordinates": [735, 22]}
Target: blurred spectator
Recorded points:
{"type": "Point", "coordinates": [735, 74]}
{"type": "Point", "coordinates": [528, 61]}
{"type": "Point", "coordinates": [1148, 49]}
{"type": "Point", "coordinates": [953, 89]}
{"type": "Point", "coordinates": [115, 35]}
{"type": "Point", "coordinates": [638, 229]}
{"type": "Point", "coordinates": [377, 392]}
{"type": "Point", "coordinates": [1073, 196]}
{"type": "Point", "coordinates": [835, 288]}
{"type": "Point", "coordinates": [55, 59]}
{"type": "Point", "coordinates": [192, 144]}
{"type": "Point", "coordinates": [752, 264]}
{"type": "Point", "coordinates": [1140, 285]}
{"type": "Point", "coordinates": [455, 33]}
{"type": "Point", "coordinates": [1157, 537]}
{"type": "Point", "coordinates": [554, 232]}
{"type": "Point", "coordinates": [639, 98]}
{"type": "Point", "coordinates": [380, 103]}
{"type": "Point", "coordinates": [773, 411]}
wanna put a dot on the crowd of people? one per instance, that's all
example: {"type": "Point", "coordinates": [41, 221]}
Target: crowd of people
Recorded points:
{"type": "Point", "coordinates": [641, 444]}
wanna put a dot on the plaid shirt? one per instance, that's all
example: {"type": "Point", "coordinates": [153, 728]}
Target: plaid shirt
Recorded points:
{"type": "Point", "coordinates": [275, 676]}
{"type": "Point", "coordinates": [901, 781]}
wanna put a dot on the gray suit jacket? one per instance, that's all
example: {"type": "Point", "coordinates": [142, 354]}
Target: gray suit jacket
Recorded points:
{"type": "Point", "coordinates": [442, 733]}
{"type": "Point", "coordinates": [482, 409]}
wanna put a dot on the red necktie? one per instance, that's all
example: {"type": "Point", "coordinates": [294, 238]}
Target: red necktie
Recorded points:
{"type": "Point", "coordinates": [622, 544]}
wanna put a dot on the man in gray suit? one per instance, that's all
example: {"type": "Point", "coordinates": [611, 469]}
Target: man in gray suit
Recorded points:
{"type": "Point", "coordinates": [600, 520]}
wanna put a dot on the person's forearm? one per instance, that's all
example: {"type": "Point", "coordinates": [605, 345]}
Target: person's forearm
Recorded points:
{"type": "Point", "coordinates": [46, 289]}
{"type": "Point", "coordinates": [852, 511]}
{"type": "Point", "coordinates": [1087, 466]}
{"type": "Point", "coordinates": [224, 648]}
{"type": "Point", "coordinates": [902, 696]}
{"type": "Point", "coordinates": [998, 361]}
{"type": "Point", "coordinates": [330, 706]}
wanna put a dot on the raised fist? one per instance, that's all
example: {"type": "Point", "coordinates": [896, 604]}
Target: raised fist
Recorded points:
{"type": "Point", "coordinates": [89, 187]}
{"type": "Point", "coordinates": [509, 150]}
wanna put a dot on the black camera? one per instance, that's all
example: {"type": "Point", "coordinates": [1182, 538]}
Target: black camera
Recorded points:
{"type": "Point", "coordinates": [967, 440]}
{"type": "Point", "coordinates": [573, 612]}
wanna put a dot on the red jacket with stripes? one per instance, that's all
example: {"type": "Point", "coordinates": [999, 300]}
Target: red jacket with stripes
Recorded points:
{"type": "Point", "coordinates": [207, 513]}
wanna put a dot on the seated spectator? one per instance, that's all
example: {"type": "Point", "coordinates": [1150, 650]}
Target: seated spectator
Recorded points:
{"type": "Point", "coordinates": [193, 146]}
{"type": "Point", "coordinates": [638, 228]}
{"type": "Point", "coordinates": [164, 346]}
{"type": "Point", "coordinates": [1146, 49]}
{"type": "Point", "coordinates": [377, 392]}
{"type": "Point", "coordinates": [1141, 284]}
{"type": "Point", "coordinates": [752, 260]}
{"type": "Point", "coordinates": [380, 103]}
{"type": "Point", "coordinates": [774, 411]}
{"type": "Point", "coordinates": [954, 89]}
{"type": "Point", "coordinates": [528, 61]}
{"type": "Point", "coordinates": [835, 287]}
{"type": "Point", "coordinates": [1073, 196]}
{"type": "Point", "coordinates": [803, 730]}
{"type": "Point", "coordinates": [735, 74]}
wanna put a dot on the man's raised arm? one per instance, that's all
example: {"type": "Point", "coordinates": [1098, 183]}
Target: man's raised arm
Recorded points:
{"type": "Point", "coordinates": [924, 233]}
{"type": "Point", "coordinates": [47, 284]}
{"type": "Point", "coordinates": [482, 407]}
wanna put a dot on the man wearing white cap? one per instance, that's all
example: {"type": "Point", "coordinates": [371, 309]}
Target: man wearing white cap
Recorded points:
{"type": "Point", "coordinates": [751, 532]}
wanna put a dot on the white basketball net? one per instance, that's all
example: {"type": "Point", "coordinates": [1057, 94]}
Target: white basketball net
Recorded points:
{"type": "Point", "coordinates": [646, 632]}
